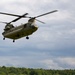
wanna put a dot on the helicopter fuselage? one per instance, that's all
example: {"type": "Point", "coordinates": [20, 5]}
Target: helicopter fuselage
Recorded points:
{"type": "Point", "coordinates": [23, 30]}
{"type": "Point", "coordinates": [20, 31]}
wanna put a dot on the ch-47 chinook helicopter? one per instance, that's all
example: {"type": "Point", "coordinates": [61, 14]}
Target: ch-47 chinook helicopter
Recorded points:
{"type": "Point", "coordinates": [24, 30]}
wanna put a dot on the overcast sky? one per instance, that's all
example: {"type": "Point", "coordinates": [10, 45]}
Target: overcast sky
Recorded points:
{"type": "Point", "coordinates": [52, 46]}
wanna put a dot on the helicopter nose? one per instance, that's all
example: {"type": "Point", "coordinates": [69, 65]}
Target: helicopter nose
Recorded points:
{"type": "Point", "coordinates": [35, 27]}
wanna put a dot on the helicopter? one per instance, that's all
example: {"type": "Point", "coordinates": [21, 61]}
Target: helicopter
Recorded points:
{"type": "Point", "coordinates": [23, 30]}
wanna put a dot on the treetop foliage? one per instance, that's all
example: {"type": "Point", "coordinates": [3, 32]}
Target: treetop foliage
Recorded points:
{"type": "Point", "coordinates": [29, 71]}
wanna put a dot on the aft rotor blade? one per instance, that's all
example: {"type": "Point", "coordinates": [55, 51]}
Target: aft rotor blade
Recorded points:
{"type": "Point", "coordinates": [14, 14]}
{"type": "Point", "coordinates": [19, 18]}
{"type": "Point", "coordinates": [10, 14]}
{"type": "Point", "coordinates": [4, 22]}
{"type": "Point", "coordinates": [46, 13]}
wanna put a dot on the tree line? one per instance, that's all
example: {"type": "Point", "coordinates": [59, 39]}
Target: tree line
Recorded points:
{"type": "Point", "coordinates": [29, 71]}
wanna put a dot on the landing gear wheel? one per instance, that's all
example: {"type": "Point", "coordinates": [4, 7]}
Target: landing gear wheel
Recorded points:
{"type": "Point", "coordinates": [13, 40]}
{"type": "Point", "coordinates": [27, 37]}
{"type": "Point", "coordinates": [4, 38]}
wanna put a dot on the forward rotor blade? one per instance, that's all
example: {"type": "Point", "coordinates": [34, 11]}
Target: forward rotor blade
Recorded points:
{"type": "Point", "coordinates": [36, 19]}
{"type": "Point", "coordinates": [46, 13]}
{"type": "Point", "coordinates": [40, 21]}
